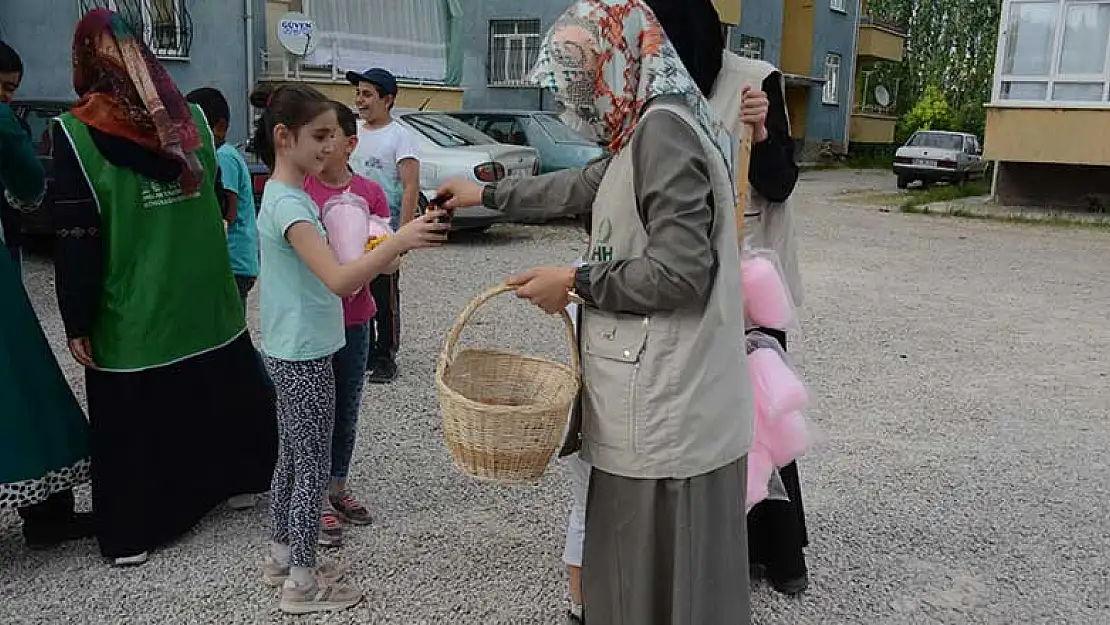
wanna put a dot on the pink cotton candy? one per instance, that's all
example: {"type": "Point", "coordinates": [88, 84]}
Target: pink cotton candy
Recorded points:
{"type": "Point", "coordinates": [787, 438]}
{"type": "Point", "coordinates": [777, 389]}
{"type": "Point", "coordinates": [760, 470]}
{"type": "Point", "coordinates": [348, 226]}
{"type": "Point", "coordinates": [766, 300]}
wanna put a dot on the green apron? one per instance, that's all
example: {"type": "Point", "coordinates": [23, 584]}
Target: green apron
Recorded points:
{"type": "Point", "coordinates": [43, 432]}
{"type": "Point", "coordinates": [168, 293]}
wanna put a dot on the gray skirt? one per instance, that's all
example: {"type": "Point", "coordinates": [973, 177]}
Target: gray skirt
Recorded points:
{"type": "Point", "coordinates": [667, 552]}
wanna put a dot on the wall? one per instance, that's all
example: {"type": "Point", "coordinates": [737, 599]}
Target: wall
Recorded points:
{"type": "Point", "coordinates": [833, 31]}
{"type": "Point", "coordinates": [217, 57]}
{"type": "Point", "coordinates": [729, 11]}
{"type": "Point", "coordinates": [477, 15]}
{"type": "Point", "coordinates": [1048, 135]}
{"type": "Point", "coordinates": [763, 20]}
{"type": "Point", "coordinates": [1082, 187]}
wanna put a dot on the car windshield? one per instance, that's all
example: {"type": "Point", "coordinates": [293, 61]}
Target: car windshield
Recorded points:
{"type": "Point", "coordinates": [937, 140]}
{"type": "Point", "coordinates": [446, 131]}
{"type": "Point", "coordinates": [559, 131]}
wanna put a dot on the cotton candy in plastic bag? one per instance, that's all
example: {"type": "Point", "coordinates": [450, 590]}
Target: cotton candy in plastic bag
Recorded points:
{"type": "Point", "coordinates": [767, 300]}
{"type": "Point", "coordinates": [777, 389]}
{"type": "Point", "coordinates": [347, 219]}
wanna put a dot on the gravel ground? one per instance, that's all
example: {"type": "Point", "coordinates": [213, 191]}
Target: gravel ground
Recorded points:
{"type": "Point", "coordinates": [960, 375]}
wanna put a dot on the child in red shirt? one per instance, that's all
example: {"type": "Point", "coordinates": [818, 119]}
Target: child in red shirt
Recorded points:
{"type": "Point", "coordinates": [358, 309]}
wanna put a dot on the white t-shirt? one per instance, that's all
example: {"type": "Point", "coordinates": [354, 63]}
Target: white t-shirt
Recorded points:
{"type": "Point", "coordinates": [382, 150]}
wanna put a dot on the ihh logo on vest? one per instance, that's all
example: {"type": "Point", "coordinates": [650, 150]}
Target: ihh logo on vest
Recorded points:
{"type": "Point", "coordinates": [602, 252]}
{"type": "Point", "coordinates": [155, 194]}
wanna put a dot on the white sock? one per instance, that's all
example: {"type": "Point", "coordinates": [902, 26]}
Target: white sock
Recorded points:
{"type": "Point", "coordinates": [302, 575]}
{"type": "Point", "coordinates": [280, 553]}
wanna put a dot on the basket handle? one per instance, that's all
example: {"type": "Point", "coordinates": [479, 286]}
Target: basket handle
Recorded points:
{"type": "Point", "coordinates": [450, 348]}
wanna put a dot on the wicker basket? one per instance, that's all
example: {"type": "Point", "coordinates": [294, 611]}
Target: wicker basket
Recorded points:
{"type": "Point", "coordinates": [504, 414]}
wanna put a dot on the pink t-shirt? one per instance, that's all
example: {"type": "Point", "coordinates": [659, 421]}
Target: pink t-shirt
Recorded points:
{"type": "Point", "coordinates": [360, 307]}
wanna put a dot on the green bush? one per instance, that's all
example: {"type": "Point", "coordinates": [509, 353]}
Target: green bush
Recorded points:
{"type": "Point", "coordinates": [931, 112]}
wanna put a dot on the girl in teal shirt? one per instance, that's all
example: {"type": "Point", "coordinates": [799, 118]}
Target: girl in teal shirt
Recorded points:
{"type": "Point", "coordinates": [301, 285]}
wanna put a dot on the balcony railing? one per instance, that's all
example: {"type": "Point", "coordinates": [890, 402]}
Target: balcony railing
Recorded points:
{"type": "Point", "coordinates": [869, 20]}
{"type": "Point", "coordinates": [279, 66]}
{"type": "Point", "coordinates": [165, 25]}
{"type": "Point", "coordinates": [875, 109]}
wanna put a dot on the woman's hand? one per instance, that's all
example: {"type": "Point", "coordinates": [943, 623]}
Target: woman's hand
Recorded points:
{"type": "Point", "coordinates": [81, 349]}
{"type": "Point", "coordinates": [546, 287]}
{"type": "Point", "coordinates": [424, 231]}
{"type": "Point", "coordinates": [753, 110]}
{"type": "Point", "coordinates": [460, 194]}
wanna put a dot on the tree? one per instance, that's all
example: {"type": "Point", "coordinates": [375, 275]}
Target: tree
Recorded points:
{"type": "Point", "coordinates": [931, 112]}
{"type": "Point", "coordinates": [950, 46]}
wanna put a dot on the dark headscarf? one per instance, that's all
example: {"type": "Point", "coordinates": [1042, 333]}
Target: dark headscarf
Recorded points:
{"type": "Point", "coordinates": [126, 93]}
{"type": "Point", "coordinates": [694, 27]}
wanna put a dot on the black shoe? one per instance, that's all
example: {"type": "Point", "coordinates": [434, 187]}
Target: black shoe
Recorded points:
{"type": "Point", "coordinates": [45, 535]}
{"type": "Point", "coordinates": [383, 371]}
{"type": "Point", "coordinates": [793, 586]}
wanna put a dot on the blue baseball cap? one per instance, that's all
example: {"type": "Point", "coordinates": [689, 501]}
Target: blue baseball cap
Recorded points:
{"type": "Point", "coordinates": [377, 76]}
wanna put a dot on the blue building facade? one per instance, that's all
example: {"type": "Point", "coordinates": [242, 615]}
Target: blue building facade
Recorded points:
{"type": "Point", "coordinates": [502, 39]}
{"type": "Point", "coordinates": [834, 35]}
{"type": "Point", "coordinates": [203, 45]}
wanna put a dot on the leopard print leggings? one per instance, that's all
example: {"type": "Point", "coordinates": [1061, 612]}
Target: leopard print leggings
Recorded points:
{"type": "Point", "coordinates": [306, 416]}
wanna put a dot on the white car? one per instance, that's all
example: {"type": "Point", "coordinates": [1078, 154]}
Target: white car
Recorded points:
{"type": "Point", "coordinates": [451, 149]}
{"type": "Point", "coordinates": [939, 156]}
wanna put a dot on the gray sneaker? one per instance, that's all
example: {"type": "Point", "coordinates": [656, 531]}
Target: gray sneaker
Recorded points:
{"type": "Point", "coordinates": [327, 572]}
{"type": "Point", "coordinates": [320, 597]}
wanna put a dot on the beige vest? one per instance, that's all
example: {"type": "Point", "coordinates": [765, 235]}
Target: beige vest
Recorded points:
{"type": "Point", "coordinates": [666, 395]}
{"type": "Point", "coordinates": [768, 225]}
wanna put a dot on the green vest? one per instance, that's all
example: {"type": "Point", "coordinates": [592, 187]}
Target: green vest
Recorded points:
{"type": "Point", "coordinates": [167, 291]}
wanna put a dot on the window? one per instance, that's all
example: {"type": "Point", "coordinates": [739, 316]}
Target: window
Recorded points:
{"type": "Point", "coordinates": [502, 128]}
{"type": "Point", "coordinates": [514, 48]}
{"type": "Point", "coordinates": [1054, 50]}
{"type": "Point", "coordinates": [749, 47]}
{"type": "Point", "coordinates": [939, 140]}
{"type": "Point", "coordinates": [831, 92]}
{"type": "Point", "coordinates": [446, 131]}
{"type": "Point", "coordinates": [165, 25]}
{"type": "Point", "coordinates": [560, 132]}
{"type": "Point", "coordinates": [409, 38]}
{"type": "Point", "coordinates": [838, 5]}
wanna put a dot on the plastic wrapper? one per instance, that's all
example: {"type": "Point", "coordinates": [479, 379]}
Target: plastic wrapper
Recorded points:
{"type": "Point", "coordinates": [777, 389]}
{"type": "Point", "coordinates": [347, 219]}
{"type": "Point", "coordinates": [767, 300]}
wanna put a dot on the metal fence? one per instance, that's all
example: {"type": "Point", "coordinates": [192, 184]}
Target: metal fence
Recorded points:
{"type": "Point", "coordinates": [165, 25]}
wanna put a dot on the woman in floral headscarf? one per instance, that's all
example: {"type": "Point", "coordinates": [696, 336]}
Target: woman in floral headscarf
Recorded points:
{"type": "Point", "coordinates": [666, 410]}
{"type": "Point", "coordinates": [180, 415]}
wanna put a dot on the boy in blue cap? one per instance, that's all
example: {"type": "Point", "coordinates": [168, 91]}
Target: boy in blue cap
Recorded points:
{"type": "Point", "coordinates": [388, 154]}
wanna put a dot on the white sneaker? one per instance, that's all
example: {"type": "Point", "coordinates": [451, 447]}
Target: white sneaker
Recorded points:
{"type": "Point", "coordinates": [242, 502]}
{"type": "Point", "coordinates": [320, 597]}
{"type": "Point", "coordinates": [134, 560]}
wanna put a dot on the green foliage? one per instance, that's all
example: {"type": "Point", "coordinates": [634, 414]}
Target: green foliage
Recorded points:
{"type": "Point", "coordinates": [950, 47]}
{"type": "Point", "coordinates": [931, 112]}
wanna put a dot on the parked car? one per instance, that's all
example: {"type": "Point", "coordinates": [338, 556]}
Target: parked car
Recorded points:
{"type": "Point", "coordinates": [37, 116]}
{"type": "Point", "coordinates": [559, 146]}
{"type": "Point", "coordinates": [939, 156]}
{"type": "Point", "coordinates": [450, 149]}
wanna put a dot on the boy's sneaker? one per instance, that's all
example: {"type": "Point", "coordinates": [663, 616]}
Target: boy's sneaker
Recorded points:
{"type": "Point", "coordinates": [275, 574]}
{"type": "Point", "coordinates": [242, 502]}
{"type": "Point", "coordinates": [331, 529]}
{"type": "Point", "coordinates": [350, 509]}
{"type": "Point", "coordinates": [320, 597]}
{"type": "Point", "coordinates": [382, 371]}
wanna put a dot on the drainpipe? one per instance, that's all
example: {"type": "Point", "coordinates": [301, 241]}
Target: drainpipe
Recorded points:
{"type": "Point", "coordinates": [248, 19]}
{"type": "Point", "coordinates": [852, 78]}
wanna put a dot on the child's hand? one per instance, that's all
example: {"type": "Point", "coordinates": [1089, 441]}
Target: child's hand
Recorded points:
{"type": "Point", "coordinates": [424, 231]}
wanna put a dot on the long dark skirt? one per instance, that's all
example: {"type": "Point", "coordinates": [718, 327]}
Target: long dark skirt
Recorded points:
{"type": "Point", "coordinates": [169, 444]}
{"type": "Point", "coordinates": [667, 552]}
{"type": "Point", "coordinates": [777, 529]}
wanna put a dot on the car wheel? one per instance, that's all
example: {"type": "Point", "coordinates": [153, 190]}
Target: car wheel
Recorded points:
{"type": "Point", "coordinates": [903, 182]}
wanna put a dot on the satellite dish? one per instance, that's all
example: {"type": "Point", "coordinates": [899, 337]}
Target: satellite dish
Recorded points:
{"type": "Point", "coordinates": [882, 96]}
{"type": "Point", "coordinates": [296, 32]}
